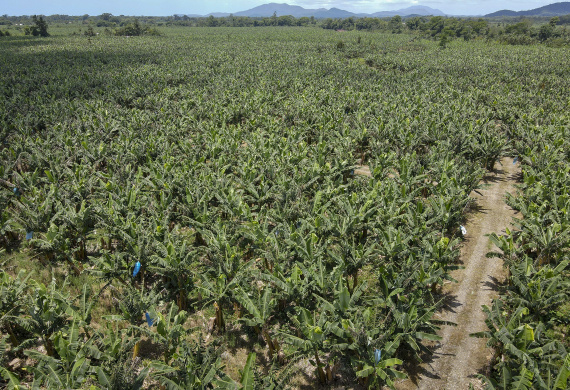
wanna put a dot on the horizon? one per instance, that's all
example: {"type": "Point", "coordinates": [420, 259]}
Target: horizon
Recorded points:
{"type": "Point", "coordinates": [193, 7]}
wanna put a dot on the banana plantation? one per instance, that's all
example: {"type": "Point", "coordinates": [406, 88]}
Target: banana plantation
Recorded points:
{"type": "Point", "coordinates": [270, 208]}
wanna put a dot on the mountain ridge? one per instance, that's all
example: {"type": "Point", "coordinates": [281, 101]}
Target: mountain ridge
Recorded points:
{"type": "Point", "coordinates": [283, 9]}
{"type": "Point", "coordinates": [554, 9]}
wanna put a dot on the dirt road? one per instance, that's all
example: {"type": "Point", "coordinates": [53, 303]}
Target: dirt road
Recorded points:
{"type": "Point", "coordinates": [458, 358]}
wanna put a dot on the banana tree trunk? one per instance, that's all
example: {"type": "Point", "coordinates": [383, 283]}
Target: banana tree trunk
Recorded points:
{"type": "Point", "coordinates": [320, 372]}
{"type": "Point", "coordinates": [13, 338]}
{"type": "Point", "coordinates": [237, 309]}
{"type": "Point", "coordinates": [268, 267]}
{"type": "Point", "coordinates": [220, 323]}
{"type": "Point", "coordinates": [269, 343]}
{"type": "Point", "coordinates": [182, 295]}
{"type": "Point", "coordinates": [49, 346]}
{"type": "Point", "coordinates": [73, 266]}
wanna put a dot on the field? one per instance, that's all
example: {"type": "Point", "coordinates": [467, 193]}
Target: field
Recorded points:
{"type": "Point", "coordinates": [292, 196]}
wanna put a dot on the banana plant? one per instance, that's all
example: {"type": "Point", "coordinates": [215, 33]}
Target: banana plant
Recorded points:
{"type": "Point", "coordinates": [70, 369]}
{"type": "Point", "coordinates": [121, 372]}
{"type": "Point", "coordinates": [175, 265]}
{"type": "Point", "coordinates": [78, 220]}
{"type": "Point", "coordinates": [507, 243]}
{"type": "Point", "coordinates": [549, 242]}
{"type": "Point", "coordinates": [12, 382]}
{"type": "Point", "coordinates": [351, 258]}
{"type": "Point", "coordinates": [525, 379]}
{"type": "Point", "coordinates": [539, 291]}
{"type": "Point", "coordinates": [169, 331]}
{"type": "Point", "coordinates": [312, 333]}
{"type": "Point", "coordinates": [247, 378]}
{"type": "Point", "coordinates": [260, 311]}
{"type": "Point", "coordinates": [13, 301]}
{"type": "Point", "coordinates": [47, 312]}
{"type": "Point", "coordinates": [409, 317]}
{"type": "Point", "coordinates": [291, 287]}
{"type": "Point", "coordinates": [132, 304]}
{"type": "Point", "coordinates": [197, 366]}
{"type": "Point", "coordinates": [223, 250]}
{"type": "Point", "coordinates": [219, 290]}
{"type": "Point", "coordinates": [382, 372]}
{"type": "Point", "coordinates": [81, 312]}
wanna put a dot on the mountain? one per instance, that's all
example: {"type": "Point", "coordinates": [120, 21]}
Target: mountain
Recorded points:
{"type": "Point", "coordinates": [555, 9]}
{"type": "Point", "coordinates": [419, 10]}
{"type": "Point", "coordinates": [333, 13]}
{"type": "Point", "coordinates": [281, 9]}
{"type": "Point", "coordinates": [267, 10]}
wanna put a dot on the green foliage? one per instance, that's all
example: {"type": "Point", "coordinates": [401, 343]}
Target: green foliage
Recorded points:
{"type": "Point", "coordinates": [90, 32]}
{"type": "Point", "coordinates": [197, 366]}
{"type": "Point", "coordinates": [526, 322]}
{"type": "Point", "coordinates": [308, 194]}
{"type": "Point", "coordinates": [134, 29]}
{"type": "Point", "coordinates": [40, 27]}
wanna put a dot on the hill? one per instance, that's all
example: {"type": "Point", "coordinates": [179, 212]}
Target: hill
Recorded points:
{"type": "Point", "coordinates": [267, 10]}
{"type": "Point", "coordinates": [555, 9]}
{"type": "Point", "coordinates": [418, 10]}
{"type": "Point", "coordinates": [280, 9]}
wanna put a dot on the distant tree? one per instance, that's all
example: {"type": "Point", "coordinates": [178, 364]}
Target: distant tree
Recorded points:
{"type": "Point", "coordinates": [396, 24]}
{"type": "Point", "coordinates": [211, 22]}
{"type": "Point", "coordinates": [89, 32]}
{"type": "Point", "coordinates": [443, 40]}
{"type": "Point", "coordinates": [522, 27]}
{"type": "Point", "coordinates": [303, 21]}
{"type": "Point", "coordinates": [546, 32]}
{"type": "Point", "coordinates": [414, 23]}
{"type": "Point", "coordinates": [38, 29]}
{"type": "Point", "coordinates": [135, 29]}
{"type": "Point", "coordinates": [286, 20]}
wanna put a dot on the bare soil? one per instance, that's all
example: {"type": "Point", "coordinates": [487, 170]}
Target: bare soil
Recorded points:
{"type": "Point", "coordinates": [458, 358]}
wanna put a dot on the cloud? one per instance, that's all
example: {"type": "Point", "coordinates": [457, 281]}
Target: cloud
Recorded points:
{"type": "Point", "coordinates": [457, 7]}
{"type": "Point", "coordinates": [355, 5]}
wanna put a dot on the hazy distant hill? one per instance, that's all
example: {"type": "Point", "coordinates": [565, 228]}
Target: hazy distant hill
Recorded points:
{"type": "Point", "coordinates": [280, 9]}
{"type": "Point", "coordinates": [555, 9]}
{"type": "Point", "coordinates": [414, 10]}
{"type": "Point", "coordinates": [267, 10]}
{"type": "Point", "coordinates": [333, 13]}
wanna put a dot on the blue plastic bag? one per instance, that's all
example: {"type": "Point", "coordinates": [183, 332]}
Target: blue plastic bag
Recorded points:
{"type": "Point", "coordinates": [515, 160]}
{"type": "Point", "coordinates": [149, 320]}
{"type": "Point", "coordinates": [377, 356]}
{"type": "Point", "coordinates": [29, 235]}
{"type": "Point", "coordinates": [17, 191]}
{"type": "Point", "coordinates": [137, 269]}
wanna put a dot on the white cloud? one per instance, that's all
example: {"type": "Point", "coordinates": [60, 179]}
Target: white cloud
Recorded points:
{"type": "Point", "coordinates": [458, 7]}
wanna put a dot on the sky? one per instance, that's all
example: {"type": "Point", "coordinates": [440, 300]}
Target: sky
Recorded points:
{"type": "Point", "coordinates": [203, 7]}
